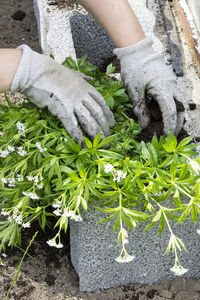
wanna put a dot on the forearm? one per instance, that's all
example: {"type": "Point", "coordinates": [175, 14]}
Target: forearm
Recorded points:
{"type": "Point", "coordinates": [118, 19]}
{"type": "Point", "coordinates": [9, 60]}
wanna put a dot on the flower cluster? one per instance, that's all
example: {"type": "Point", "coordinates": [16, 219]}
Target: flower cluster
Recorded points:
{"type": "Point", "coordinates": [16, 216]}
{"type": "Point", "coordinates": [37, 180]}
{"type": "Point", "coordinates": [127, 258]}
{"type": "Point", "coordinates": [66, 212]}
{"type": "Point", "coordinates": [71, 214]}
{"type": "Point", "coordinates": [118, 175]}
{"type": "Point", "coordinates": [40, 148]}
{"type": "Point", "coordinates": [31, 195]}
{"type": "Point", "coordinates": [21, 151]}
{"type": "Point", "coordinates": [52, 243]}
{"type": "Point", "coordinates": [11, 181]}
{"type": "Point", "coordinates": [178, 270]}
{"type": "Point", "coordinates": [21, 128]}
{"type": "Point", "coordinates": [63, 139]}
{"type": "Point", "coordinates": [4, 153]}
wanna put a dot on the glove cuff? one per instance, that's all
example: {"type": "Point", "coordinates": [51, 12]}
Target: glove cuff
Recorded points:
{"type": "Point", "coordinates": [21, 76]}
{"type": "Point", "coordinates": [143, 46]}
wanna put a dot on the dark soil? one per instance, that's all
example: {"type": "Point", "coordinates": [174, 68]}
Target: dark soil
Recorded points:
{"type": "Point", "coordinates": [49, 274]}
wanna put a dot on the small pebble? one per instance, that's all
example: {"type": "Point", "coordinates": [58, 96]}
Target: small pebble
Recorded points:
{"type": "Point", "coordinates": [19, 15]}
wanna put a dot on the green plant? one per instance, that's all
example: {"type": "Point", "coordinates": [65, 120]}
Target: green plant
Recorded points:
{"type": "Point", "coordinates": [45, 175]}
{"type": "Point", "coordinates": [20, 265]}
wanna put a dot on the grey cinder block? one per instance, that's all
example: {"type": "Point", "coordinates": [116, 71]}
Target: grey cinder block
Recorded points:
{"type": "Point", "coordinates": [94, 248]}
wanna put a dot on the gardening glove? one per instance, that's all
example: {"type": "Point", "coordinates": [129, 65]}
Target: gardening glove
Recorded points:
{"type": "Point", "coordinates": [146, 75]}
{"type": "Point", "coordinates": [65, 92]}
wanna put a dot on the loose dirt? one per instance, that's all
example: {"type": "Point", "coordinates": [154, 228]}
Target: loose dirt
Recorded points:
{"type": "Point", "coordinates": [48, 274]}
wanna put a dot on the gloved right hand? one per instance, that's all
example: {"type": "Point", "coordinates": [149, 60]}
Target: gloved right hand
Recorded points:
{"type": "Point", "coordinates": [65, 92]}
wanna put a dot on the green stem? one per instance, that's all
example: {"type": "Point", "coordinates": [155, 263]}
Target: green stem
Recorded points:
{"type": "Point", "coordinates": [20, 265]}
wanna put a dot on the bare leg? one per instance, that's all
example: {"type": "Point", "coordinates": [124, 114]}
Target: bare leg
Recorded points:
{"type": "Point", "coordinates": [9, 60]}
{"type": "Point", "coordinates": [118, 19]}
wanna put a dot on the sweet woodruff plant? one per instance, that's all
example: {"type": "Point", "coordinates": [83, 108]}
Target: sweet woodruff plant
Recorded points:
{"type": "Point", "coordinates": [46, 177]}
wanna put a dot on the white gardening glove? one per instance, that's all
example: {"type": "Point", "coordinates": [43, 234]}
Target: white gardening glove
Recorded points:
{"type": "Point", "coordinates": [145, 73]}
{"type": "Point", "coordinates": [65, 92]}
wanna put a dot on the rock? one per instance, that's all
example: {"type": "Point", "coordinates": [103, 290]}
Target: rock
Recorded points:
{"type": "Point", "coordinates": [159, 298]}
{"type": "Point", "coordinates": [19, 15]}
{"type": "Point", "coordinates": [166, 294]}
{"type": "Point", "coordinates": [151, 293]}
{"type": "Point", "coordinates": [196, 287]}
{"type": "Point", "coordinates": [187, 296]}
{"type": "Point", "coordinates": [180, 284]}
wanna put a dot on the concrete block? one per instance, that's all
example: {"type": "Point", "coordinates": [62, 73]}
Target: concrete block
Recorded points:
{"type": "Point", "coordinates": [94, 248]}
{"type": "Point", "coordinates": [54, 30]}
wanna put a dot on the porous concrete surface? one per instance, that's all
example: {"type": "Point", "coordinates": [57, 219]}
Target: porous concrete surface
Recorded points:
{"type": "Point", "coordinates": [89, 37]}
{"type": "Point", "coordinates": [94, 248]}
{"type": "Point", "coordinates": [195, 9]}
{"type": "Point", "coordinates": [54, 30]}
{"type": "Point", "coordinates": [59, 28]}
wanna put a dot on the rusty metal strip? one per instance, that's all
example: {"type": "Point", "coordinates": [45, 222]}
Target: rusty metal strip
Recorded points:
{"type": "Point", "coordinates": [187, 31]}
{"type": "Point", "coordinates": [173, 38]}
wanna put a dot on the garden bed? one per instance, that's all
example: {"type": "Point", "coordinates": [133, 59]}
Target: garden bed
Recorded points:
{"type": "Point", "coordinates": [55, 277]}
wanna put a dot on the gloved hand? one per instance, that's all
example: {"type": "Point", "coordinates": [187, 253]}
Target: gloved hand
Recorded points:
{"type": "Point", "coordinates": [144, 72]}
{"type": "Point", "coordinates": [65, 92]}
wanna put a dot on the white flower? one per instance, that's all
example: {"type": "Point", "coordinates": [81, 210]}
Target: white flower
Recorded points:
{"type": "Point", "coordinates": [19, 177]}
{"type": "Point", "coordinates": [52, 243]}
{"type": "Point", "coordinates": [21, 128]}
{"type": "Point", "coordinates": [4, 255]}
{"type": "Point", "coordinates": [31, 195]}
{"type": "Point", "coordinates": [15, 212]}
{"type": "Point", "coordinates": [4, 153]}
{"type": "Point", "coordinates": [4, 213]}
{"type": "Point", "coordinates": [30, 178]}
{"type": "Point", "coordinates": [40, 148]}
{"type": "Point", "coordinates": [59, 245]}
{"type": "Point", "coordinates": [178, 270]}
{"type": "Point", "coordinates": [21, 151]}
{"type": "Point", "coordinates": [108, 168]}
{"type": "Point", "coordinates": [119, 176]}
{"type": "Point", "coordinates": [68, 213]}
{"type": "Point", "coordinates": [57, 212]}
{"type": "Point", "coordinates": [198, 231]}
{"type": "Point", "coordinates": [125, 241]}
{"type": "Point", "coordinates": [36, 179]}
{"type": "Point", "coordinates": [11, 182]}
{"type": "Point", "coordinates": [18, 219]}
{"type": "Point", "coordinates": [26, 225]}
{"type": "Point", "coordinates": [126, 258]}
{"type": "Point", "coordinates": [77, 218]}
{"type": "Point", "coordinates": [63, 139]}
{"type": "Point", "coordinates": [9, 219]}
{"type": "Point", "coordinates": [40, 186]}
{"type": "Point", "coordinates": [10, 148]}
{"type": "Point", "coordinates": [57, 204]}
{"type": "Point", "coordinates": [4, 180]}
